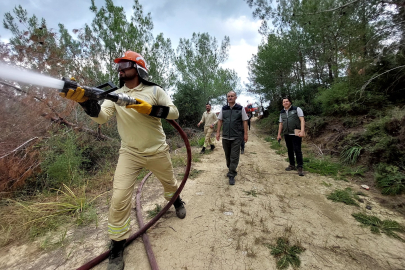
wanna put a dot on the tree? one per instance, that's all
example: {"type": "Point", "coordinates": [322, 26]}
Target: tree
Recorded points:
{"type": "Point", "coordinates": [332, 41]}
{"type": "Point", "coordinates": [201, 79]}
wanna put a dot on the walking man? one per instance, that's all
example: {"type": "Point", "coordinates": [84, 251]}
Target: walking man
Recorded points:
{"type": "Point", "coordinates": [292, 125]}
{"type": "Point", "coordinates": [210, 119]}
{"type": "Point", "coordinates": [143, 144]}
{"type": "Point", "coordinates": [233, 119]}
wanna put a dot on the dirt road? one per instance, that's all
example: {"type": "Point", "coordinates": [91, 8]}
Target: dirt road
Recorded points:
{"type": "Point", "coordinates": [228, 227]}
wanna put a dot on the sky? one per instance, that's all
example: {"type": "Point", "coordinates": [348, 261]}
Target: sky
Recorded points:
{"type": "Point", "coordinates": [174, 18]}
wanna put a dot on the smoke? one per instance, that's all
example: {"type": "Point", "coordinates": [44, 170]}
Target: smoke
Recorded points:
{"type": "Point", "coordinates": [12, 73]}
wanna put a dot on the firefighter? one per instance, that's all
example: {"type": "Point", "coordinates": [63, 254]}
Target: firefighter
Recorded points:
{"type": "Point", "coordinates": [143, 144]}
{"type": "Point", "coordinates": [210, 119]}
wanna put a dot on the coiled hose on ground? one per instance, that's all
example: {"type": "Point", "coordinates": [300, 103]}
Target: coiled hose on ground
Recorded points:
{"type": "Point", "coordinates": [143, 229]}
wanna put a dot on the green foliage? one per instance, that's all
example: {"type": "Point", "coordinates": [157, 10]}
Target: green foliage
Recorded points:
{"type": "Point", "coordinates": [390, 179]}
{"type": "Point", "coordinates": [62, 160]}
{"type": "Point", "coordinates": [252, 192]}
{"type": "Point", "coordinates": [381, 140]}
{"type": "Point", "coordinates": [270, 123]}
{"type": "Point", "coordinates": [152, 213]}
{"type": "Point", "coordinates": [338, 100]}
{"type": "Point", "coordinates": [202, 79]}
{"type": "Point", "coordinates": [201, 142]}
{"type": "Point", "coordinates": [278, 146]}
{"type": "Point", "coordinates": [294, 58]}
{"type": "Point", "coordinates": [286, 254]}
{"type": "Point", "coordinates": [270, 70]}
{"type": "Point", "coordinates": [345, 196]}
{"type": "Point", "coordinates": [323, 166]}
{"type": "Point", "coordinates": [354, 171]}
{"type": "Point", "coordinates": [196, 157]}
{"type": "Point", "coordinates": [350, 154]}
{"type": "Point", "coordinates": [194, 173]}
{"type": "Point", "coordinates": [197, 139]}
{"type": "Point", "coordinates": [315, 124]}
{"type": "Point", "coordinates": [389, 227]}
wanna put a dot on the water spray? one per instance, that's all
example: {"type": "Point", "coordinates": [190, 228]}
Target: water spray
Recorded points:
{"type": "Point", "coordinates": [8, 72]}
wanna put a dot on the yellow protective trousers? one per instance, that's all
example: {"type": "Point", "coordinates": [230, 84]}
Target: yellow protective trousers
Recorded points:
{"type": "Point", "coordinates": [208, 140]}
{"type": "Point", "coordinates": [128, 167]}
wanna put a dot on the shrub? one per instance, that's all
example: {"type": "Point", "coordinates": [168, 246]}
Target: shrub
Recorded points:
{"type": "Point", "coordinates": [389, 227]}
{"type": "Point", "coordinates": [390, 179]}
{"type": "Point", "coordinates": [338, 99]}
{"type": "Point", "coordinates": [350, 154]}
{"type": "Point", "coordinates": [286, 254]}
{"type": "Point", "coordinates": [270, 123]}
{"type": "Point", "coordinates": [62, 160]}
{"type": "Point", "coordinates": [343, 195]}
{"type": "Point", "coordinates": [323, 166]}
{"type": "Point", "coordinates": [314, 125]}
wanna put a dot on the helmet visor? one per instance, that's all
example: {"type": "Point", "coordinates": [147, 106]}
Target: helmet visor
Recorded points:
{"type": "Point", "coordinates": [124, 65]}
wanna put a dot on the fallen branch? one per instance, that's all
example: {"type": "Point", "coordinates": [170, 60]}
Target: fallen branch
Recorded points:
{"type": "Point", "coordinates": [365, 85]}
{"type": "Point", "coordinates": [19, 147]}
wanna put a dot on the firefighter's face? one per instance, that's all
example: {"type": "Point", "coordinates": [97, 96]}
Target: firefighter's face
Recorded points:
{"type": "Point", "coordinates": [127, 73]}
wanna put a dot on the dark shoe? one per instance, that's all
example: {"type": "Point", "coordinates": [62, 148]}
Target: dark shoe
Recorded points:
{"type": "Point", "coordinates": [300, 173]}
{"type": "Point", "coordinates": [290, 168]}
{"type": "Point", "coordinates": [116, 258]}
{"type": "Point", "coordinates": [242, 151]}
{"type": "Point", "coordinates": [231, 180]}
{"type": "Point", "coordinates": [180, 209]}
{"type": "Point", "coordinates": [212, 147]}
{"type": "Point", "coordinates": [202, 150]}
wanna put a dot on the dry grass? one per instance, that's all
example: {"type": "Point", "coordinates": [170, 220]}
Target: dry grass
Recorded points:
{"type": "Point", "coordinates": [24, 220]}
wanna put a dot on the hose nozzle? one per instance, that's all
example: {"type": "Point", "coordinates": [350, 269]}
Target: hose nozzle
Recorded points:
{"type": "Point", "coordinates": [96, 93]}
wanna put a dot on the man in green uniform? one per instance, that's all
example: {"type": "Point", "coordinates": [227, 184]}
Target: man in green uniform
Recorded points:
{"type": "Point", "coordinates": [143, 144]}
{"type": "Point", "coordinates": [210, 119]}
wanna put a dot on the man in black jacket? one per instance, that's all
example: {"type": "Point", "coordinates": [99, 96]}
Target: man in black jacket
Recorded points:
{"type": "Point", "coordinates": [292, 125]}
{"type": "Point", "coordinates": [233, 118]}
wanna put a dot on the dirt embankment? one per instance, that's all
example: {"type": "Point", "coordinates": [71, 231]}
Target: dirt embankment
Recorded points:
{"type": "Point", "coordinates": [228, 227]}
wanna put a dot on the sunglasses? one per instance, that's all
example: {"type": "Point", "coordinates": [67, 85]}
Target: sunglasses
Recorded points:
{"type": "Point", "coordinates": [121, 66]}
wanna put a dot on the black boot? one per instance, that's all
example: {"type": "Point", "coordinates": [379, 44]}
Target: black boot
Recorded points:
{"type": "Point", "coordinates": [212, 147]}
{"type": "Point", "coordinates": [180, 209]}
{"type": "Point", "coordinates": [116, 258]}
{"type": "Point", "coordinates": [202, 150]}
{"type": "Point", "coordinates": [232, 180]}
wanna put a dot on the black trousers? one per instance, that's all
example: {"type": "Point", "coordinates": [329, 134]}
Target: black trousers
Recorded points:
{"type": "Point", "coordinates": [294, 147]}
{"type": "Point", "coordinates": [232, 154]}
